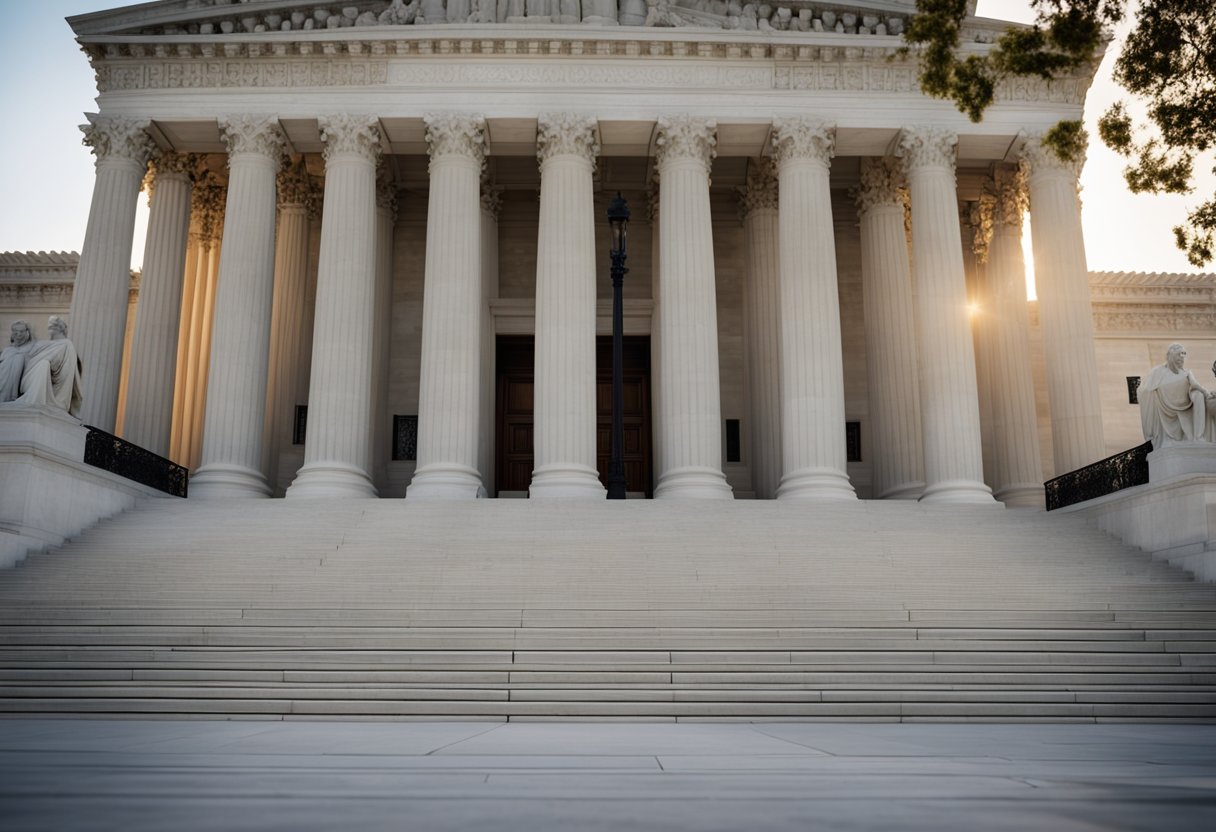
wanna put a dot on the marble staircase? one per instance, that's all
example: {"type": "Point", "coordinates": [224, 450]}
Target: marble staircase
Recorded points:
{"type": "Point", "coordinates": [876, 611]}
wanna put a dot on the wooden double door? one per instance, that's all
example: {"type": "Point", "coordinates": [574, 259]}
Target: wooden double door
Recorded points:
{"type": "Point", "coordinates": [516, 377]}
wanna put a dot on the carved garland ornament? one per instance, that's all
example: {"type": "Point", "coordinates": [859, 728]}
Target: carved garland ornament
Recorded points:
{"type": "Point", "coordinates": [456, 134]}
{"type": "Point", "coordinates": [118, 137]}
{"type": "Point", "coordinates": [882, 184]}
{"type": "Point", "coordinates": [566, 134]}
{"type": "Point", "coordinates": [803, 137]}
{"type": "Point", "coordinates": [760, 192]}
{"type": "Point", "coordinates": [686, 137]}
{"type": "Point", "coordinates": [253, 134]}
{"type": "Point", "coordinates": [922, 147]}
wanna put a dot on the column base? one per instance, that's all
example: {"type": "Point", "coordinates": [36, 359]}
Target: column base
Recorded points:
{"type": "Point", "coordinates": [958, 491]}
{"type": "Point", "coordinates": [566, 481]}
{"type": "Point", "coordinates": [816, 484]}
{"type": "Point", "coordinates": [904, 491]}
{"type": "Point", "coordinates": [445, 482]}
{"type": "Point", "coordinates": [1022, 495]}
{"type": "Point", "coordinates": [330, 480]}
{"type": "Point", "coordinates": [221, 481]}
{"type": "Point", "coordinates": [693, 483]}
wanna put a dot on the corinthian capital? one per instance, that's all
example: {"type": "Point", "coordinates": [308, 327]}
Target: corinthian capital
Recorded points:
{"type": "Point", "coordinates": [253, 134]}
{"type": "Point", "coordinates": [760, 192]}
{"type": "Point", "coordinates": [386, 191]}
{"type": "Point", "coordinates": [1012, 200]}
{"type": "Point", "coordinates": [803, 137]}
{"type": "Point", "coordinates": [566, 134]}
{"type": "Point", "coordinates": [296, 187]}
{"type": "Point", "coordinates": [207, 207]}
{"type": "Point", "coordinates": [980, 219]}
{"type": "Point", "coordinates": [117, 137]}
{"type": "Point", "coordinates": [174, 164]}
{"type": "Point", "coordinates": [1039, 158]}
{"type": "Point", "coordinates": [882, 184]}
{"type": "Point", "coordinates": [686, 137]}
{"type": "Point", "coordinates": [925, 147]}
{"type": "Point", "coordinates": [350, 135]}
{"type": "Point", "coordinates": [456, 134]}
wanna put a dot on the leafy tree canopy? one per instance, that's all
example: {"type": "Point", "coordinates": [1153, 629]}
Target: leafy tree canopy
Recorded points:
{"type": "Point", "coordinates": [1168, 61]}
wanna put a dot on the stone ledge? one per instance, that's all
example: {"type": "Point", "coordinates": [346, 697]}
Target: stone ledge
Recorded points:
{"type": "Point", "coordinates": [47, 493]}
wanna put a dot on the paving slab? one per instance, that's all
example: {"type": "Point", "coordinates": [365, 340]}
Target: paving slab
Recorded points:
{"type": "Point", "coordinates": [199, 776]}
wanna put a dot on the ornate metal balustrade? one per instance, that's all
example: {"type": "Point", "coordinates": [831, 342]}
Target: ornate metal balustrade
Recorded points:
{"type": "Point", "coordinates": [118, 456]}
{"type": "Point", "coordinates": [1115, 473]}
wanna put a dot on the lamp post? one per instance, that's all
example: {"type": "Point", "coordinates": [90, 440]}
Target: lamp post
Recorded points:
{"type": "Point", "coordinates": [618, 221]}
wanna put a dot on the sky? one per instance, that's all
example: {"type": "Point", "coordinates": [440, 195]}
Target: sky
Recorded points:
{"type": "Point", "coordinates": [46, 174]}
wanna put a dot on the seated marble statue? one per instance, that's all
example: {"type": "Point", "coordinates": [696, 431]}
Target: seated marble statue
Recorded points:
{"type": "Point", "coordinates": [12, 360]}
{"type": "Point", "coordinates": [1174, 407]}
{"type": "Point", "coordinates": [50, 371]}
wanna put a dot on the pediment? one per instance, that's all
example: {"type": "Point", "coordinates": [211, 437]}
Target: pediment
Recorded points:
{"type": "Point", "coordinates": [302, 18]}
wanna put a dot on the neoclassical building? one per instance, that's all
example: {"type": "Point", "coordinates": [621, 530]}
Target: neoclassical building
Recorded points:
{"type": "Point", "coordinates": [377, 253]}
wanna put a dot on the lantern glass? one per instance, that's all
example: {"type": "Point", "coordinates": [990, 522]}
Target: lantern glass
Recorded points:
{"type": "Point", "coordinates": [618, 221]}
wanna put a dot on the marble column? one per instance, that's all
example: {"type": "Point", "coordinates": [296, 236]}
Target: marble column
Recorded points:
{"type": "Point", "coordinates": [691, 426]}
{"type": "Point", "coordinates": [1065, 314]}
{"type": "Point", "coordinates": [386, 219]}
{"type": "Point", "coordinates": [298, 202]}
{"type": "Point", "coordinates": [890, 329]}
{"type": "Point", "coordinates": [491, 204]}
{"type": "Point", "coordinates": [336, 446]}
{"type": "Point", "coordinates": [150, 378]}
{"type": "Point", "coordinates": [762, 326]}
{"type": "Point", "coordinates": [1019, 477]}
{"type": "Point", "coordinates": [653, 206]}
{"type": "Point", "coordinates": [98, 312]}
{"type": "Point", "coordinates": [954, 467]}
{"type": "Point", "coordinates": [449, 404]}
{"type": "Point", "coordinates": [206, 224]}
{"type": "Point", "coordinates": [565, 416]}
{"type": "Point", "coordinates": [812, 371]}
{"type": "Point", "coordinates": [235, 413]}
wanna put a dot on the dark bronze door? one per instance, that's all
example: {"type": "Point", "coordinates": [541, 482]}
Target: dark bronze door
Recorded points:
{"type": "Point", "coordinates": [515, 371]}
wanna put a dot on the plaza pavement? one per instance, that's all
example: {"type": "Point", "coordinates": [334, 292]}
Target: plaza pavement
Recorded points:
{"type": "Point", "coordinates": [192, 775]}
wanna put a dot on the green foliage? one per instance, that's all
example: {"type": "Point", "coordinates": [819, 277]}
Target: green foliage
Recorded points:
{"type": "Point", "coordinates": [1168, 60]}
{"type": "Point", "coordinates": [1067, 139]}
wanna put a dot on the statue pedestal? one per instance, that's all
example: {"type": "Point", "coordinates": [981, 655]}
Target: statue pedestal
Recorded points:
{"type": "Point", "coordinates": [47, 493]}
{"type": "Point", "coordinates": [1173, 515]}
{"type": "Point", "coordinates": [1180, 458]}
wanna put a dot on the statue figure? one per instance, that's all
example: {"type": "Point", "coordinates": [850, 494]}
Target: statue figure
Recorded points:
{"type": "Point", "coordinates": [1174, 407]}
{"type": "Point", "coordinates": [12, 360]}
{"type": "Point", "coordinates": [399, 13]}
{"type": "Point", "coordinates": [52, 371]}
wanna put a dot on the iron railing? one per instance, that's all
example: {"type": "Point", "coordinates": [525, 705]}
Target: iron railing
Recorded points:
{"type": "Point", "coordinates": [1115, 473]}
{"type": "Point", "coordinates": [118, 456]}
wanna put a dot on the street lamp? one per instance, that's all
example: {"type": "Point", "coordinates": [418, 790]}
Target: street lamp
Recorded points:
{"type": "Point", "coordinates": [618, 222]}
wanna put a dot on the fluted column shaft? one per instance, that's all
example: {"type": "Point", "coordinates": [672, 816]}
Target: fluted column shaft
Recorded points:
{"type": "Point", "coordinates": [297, 199]}
{"type": "Point", "coordinates": [386, 219]}
{"type": "Point", "coordinates": [565, 418]}
{"type": "Point", "coordinates": [491, 203]}
{"type": "Point", "coordinates": [890, 329]}
{"type": "Point", "coordinates": [339, 390]}
{"type": "Point", "coordinates": [150, 378]}
{"type": "Point", "coordinates": [1065, 313]}
{"type": "Point", "coordinates": [954, 467]}
{"type": "Point", "coordinates": [449, 403]}
{"type": "Point", "coordinates": [762, 329]}
{"type": "Point", "coordinates": [653, 206]}
{"type": "Point", "coordinates": [235, 412]}
{"type": "Point", "coordinates": [99, 299]}
{"type": "Point", "coordinates": [691, 430]}
{"type": "Point", "coordinates": [185, 320]}
{"type": "Point", "coordinates": [1015, 426]}
{"type": "Point", "coordinates": [812, 369]}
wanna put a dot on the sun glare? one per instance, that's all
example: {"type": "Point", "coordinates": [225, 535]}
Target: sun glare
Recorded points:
{"type": "Point", "coordinates": [1028, 256]}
